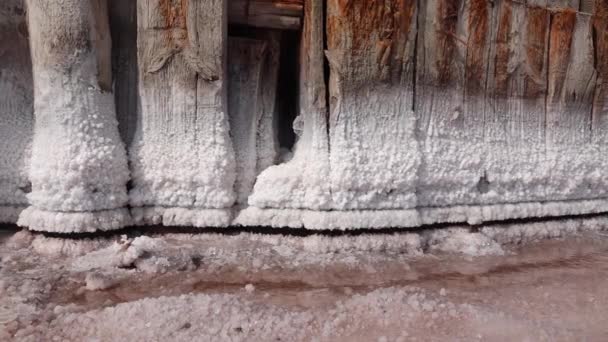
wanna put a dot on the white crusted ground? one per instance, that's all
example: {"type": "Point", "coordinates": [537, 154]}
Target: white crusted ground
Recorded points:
{"type": "Point", "coordinates": [452, 284]}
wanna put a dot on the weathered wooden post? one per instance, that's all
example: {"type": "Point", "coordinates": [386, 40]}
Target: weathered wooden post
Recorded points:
{"type": "Point", "coordinates": [78, 168]}
{"type": "Point", "coordinates": [182, 160]}
{"type": "Point", "coordinates": [374, 153]}
{"type": "Point", "coordinates": [16, 110]}
{"type": "Point", "coordinates": [253, 72]}
{"type": "Point", "coordinates": [504, 107]}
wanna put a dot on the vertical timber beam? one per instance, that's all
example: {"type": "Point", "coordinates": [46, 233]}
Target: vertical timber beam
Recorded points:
{"type": "Point", "coordinates": [572, 89]}
{"type": "Point", "coordinates": [16, 110]}
{"type": "Point", "coordinates": [452, 72]}
{"type": "Point", "coordinates": [515, 111]}
{"type": "Point", "coordinates": [267, 145]}
{"type": "Point", "coordinates": [600, 63]}
{"type": "Point", "coordinates": [183, 165]}
{"type": "Point", "coordinates": [518, 75]}
{"type": "Point", "coordinates": [78, 167]}
{"type": "Point", "coordinates": [253, 70]}
{"type": "Point", "coordinates": [373, 150]}
{"type": "Point", "coordinates": [246, 59]}
{"type": "Point", "coordinates": [571, 79]}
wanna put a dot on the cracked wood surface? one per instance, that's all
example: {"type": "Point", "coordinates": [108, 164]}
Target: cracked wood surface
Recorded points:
{"type": "Point", "coordinates": [182, 155]}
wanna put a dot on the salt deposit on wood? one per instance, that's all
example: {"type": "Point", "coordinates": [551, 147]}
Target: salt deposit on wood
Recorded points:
{"type": "Point", "coordinates": [16, 110]}
{"type": "Point", "coordinates": [182, 160]}
{"type": "Point", "coordinates": [78, 167]}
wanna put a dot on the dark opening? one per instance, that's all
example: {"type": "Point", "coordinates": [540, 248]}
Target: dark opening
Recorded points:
{"type": "Point", "coordinates": [287, 94]}
{"type": "Point", "coordinates": [287, 107]}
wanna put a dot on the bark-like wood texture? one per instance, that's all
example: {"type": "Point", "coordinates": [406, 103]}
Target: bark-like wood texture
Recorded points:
{"type": "Point", "coordinates": [78, 167]}
{"type": "Point", "coordinates": [16, 109]}
{"type": "Point", "coordinates": [599, 29]}
{"type": "Point", "coordinates": [425, 110]}
{"type": "Point", "coordinates": [247, 59]}
{"type": "Point", "coordinates": [504, 100]}
{"type": "Point", "coordinates": [267, 145]}
{"type": "Point", "coordinates": [276, 14]}
{"type": "Point", "coordinates": [452, 62]}
{"type": "Point", "coordinates": [373, 150]}
{"type": "Point", "coordinates": [182, 156]}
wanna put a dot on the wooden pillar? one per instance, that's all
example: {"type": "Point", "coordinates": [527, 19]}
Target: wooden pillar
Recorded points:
{"type": "Point", "coordinates": [600, 43]}
{"type": "Point", "coordinates": [374, 155]}
{"type": "Point", "coordinates": [182, 160]}
{"type": "Point", "coordinates": [246, 61]}
{"type": "Point", "coordinates": [450, 85]}
{"type": "Point", "coordinates": [267, 145]}
{"type": "Point", "coordinates": [78, 166]}
{"type": "Point", "coordinates": [571, 79]}
{"type": "Point", "coordinates": [16, 110]}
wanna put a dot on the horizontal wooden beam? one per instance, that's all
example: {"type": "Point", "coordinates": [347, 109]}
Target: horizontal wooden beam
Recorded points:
{"type": "Point", "coordinates": [276, 14]}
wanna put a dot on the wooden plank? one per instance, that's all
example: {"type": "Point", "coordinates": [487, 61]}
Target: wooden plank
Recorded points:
{"type": "Point", "coordinates": [16, 109]}
{"type": "Point", "coordinates": [452, 70]}
{"type": "Point", "coordinates": [573, 4]}
{"type": "Point", "coordinates": [182, 155]}
{"type": "Point", "coordinates": [245, 64]}
{"type": "Point", "coordinates": [477, 18]}
{"type": "Point", "coordinates": [313, 88]}
{"type": "Point", "coordinates": [587, 6]}
{"type": "Point", "coordinates": [440, 70]}
{"type": "Point", "coordinates": [516, 164]}
{"type": "Point", "coordinates": [571, 79]}
{"type": "Point", "coordinates": [373, 151]}
{"type": "Point", "coordinates": [552, 5]}
{"type": "Point", "coordinates": [75, 122]}
{"type": "Point", "coordinates": [103, 43]}
{"type": "Point", "coordinates": [267, 135]}
{"type": "Point", "coordinates": [600, 43]}
{"type": "Point", "coordinates": [286, 15]}
{"type": "Point", "coordinates": [517, 78]}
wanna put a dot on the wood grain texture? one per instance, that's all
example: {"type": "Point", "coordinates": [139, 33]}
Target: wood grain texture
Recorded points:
{"type": "Point", "coordinates": [600, 62]}
{"type": "Point", "coordinates": [515, 113]}
{"type": "Point", "coordinates": [16, 109]}
{"type": "Point", "coordinates": [440, 70]}
{"type": "Point", "coordinates": [267, 144]}
{"type": "Point", "coordinates": [452, 61]}
{"type": "Point", "coordinates": [275, 14]}
{"type": "Point", "coordinates": [373, 152]}
{"type": "Point", "coordinates": [182, 155]}
{"type": "Point", "coordinates": [246, 59]}
{"type": "Point", "coordinates": [571, 79]}
{"type": "Point", "coordinates": [75, 121]}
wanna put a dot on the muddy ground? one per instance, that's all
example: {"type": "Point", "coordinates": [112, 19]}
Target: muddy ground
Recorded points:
{"type": "Point", "coordinates": [246, 286]}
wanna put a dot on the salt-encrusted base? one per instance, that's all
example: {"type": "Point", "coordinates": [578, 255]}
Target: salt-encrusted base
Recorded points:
{"type": "Point", "coordinates": [74, 222]}
{"type": "Point", "coordinates": [315, 219]}
{"type": "Point", "coordinates": [191, 217]}
{"type": "Point", "coordinates": [410, 218]}
{"type": "Point", "coordinates": [10, 214]}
